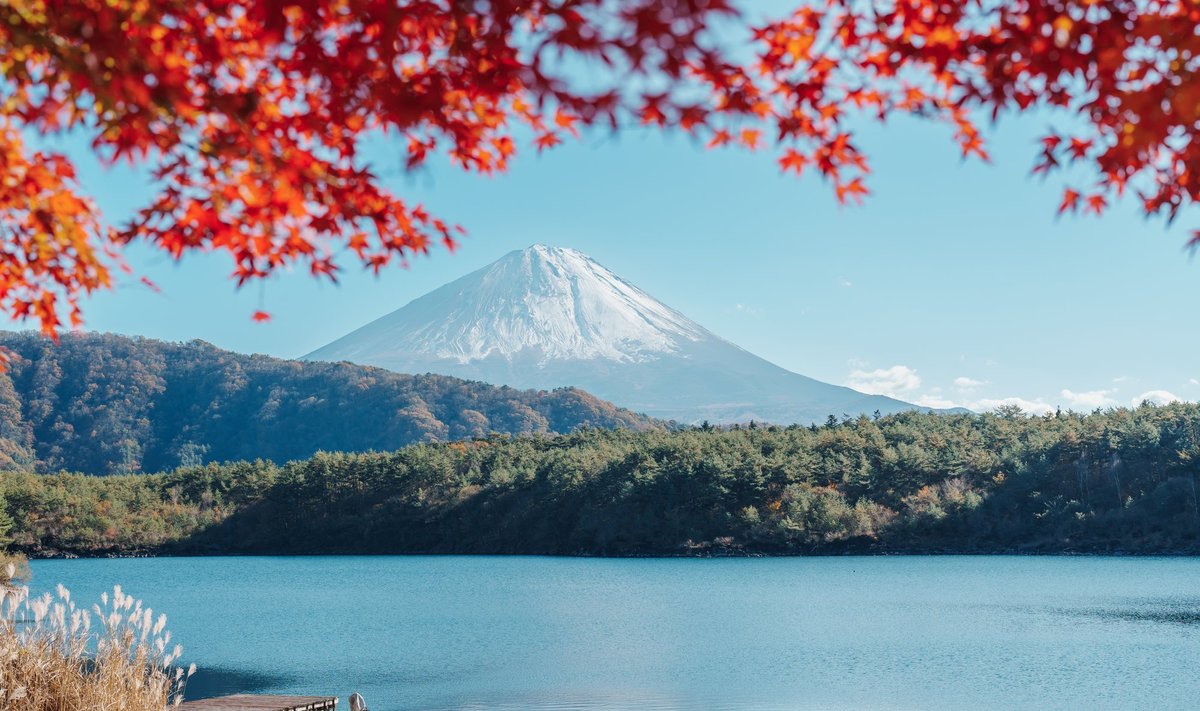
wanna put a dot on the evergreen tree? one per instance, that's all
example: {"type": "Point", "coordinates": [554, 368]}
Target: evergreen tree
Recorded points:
{"type": "Point", "coordinates": [6, 523]}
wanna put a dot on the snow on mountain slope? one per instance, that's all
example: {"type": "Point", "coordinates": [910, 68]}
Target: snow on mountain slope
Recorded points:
{"type": "Point", "coordinates": [548, 317]}
{"type": "Point", "coordinates": [556, 302]}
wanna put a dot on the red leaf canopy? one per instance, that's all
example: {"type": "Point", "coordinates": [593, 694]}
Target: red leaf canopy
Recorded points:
{"type": "Point", "coordinates": [252, 115]}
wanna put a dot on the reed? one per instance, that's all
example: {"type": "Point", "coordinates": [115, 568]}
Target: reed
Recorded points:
{"type": "Point", "coordinates": [55, 656]}
{"type": "Point", "coordinates": [14, 568]}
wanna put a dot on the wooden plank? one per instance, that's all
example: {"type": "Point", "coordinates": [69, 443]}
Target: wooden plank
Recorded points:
{"type": "Point", "coordinates": [255, 702]}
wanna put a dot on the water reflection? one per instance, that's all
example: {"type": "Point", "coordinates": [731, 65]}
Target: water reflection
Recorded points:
{"type": "Point", "coordinates": [209, 681]}
{"type": "Point", "coordinates": [1159, 611]}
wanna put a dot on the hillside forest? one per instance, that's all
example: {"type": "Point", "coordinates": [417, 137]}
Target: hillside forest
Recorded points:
{"type": "Point", "coordinates": [108, 404]}
{"type": "Point", "coordinates": [1121, 480]}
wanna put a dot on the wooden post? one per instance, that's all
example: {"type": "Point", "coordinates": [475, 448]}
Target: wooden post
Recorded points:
{"type": "Point", "coordinates": [255, 702]}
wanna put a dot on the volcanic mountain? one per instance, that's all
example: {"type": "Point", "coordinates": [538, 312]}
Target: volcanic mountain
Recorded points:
{"type": "Point", "coordinates": [547, 317]}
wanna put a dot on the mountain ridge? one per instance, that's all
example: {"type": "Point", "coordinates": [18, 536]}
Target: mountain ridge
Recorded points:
{"type": "Point", "coordinates": [552, 316]}
{"type": "Point", "coordinates": [109, 404]}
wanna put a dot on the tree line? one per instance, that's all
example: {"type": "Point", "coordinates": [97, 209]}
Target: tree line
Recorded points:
{"type": "Point", "coordinates": [1122, 480]}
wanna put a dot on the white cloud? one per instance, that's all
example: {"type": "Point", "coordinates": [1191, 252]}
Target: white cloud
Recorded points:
{"type": "Point", "coordinates": [1193, 381]}
{"type": "Point", "coordinates": [1158, 397]}
{"type": "Point", "coordinates": [744, 309]}
{"type": "Point", "coordinates": [1036, 407]}
{"type": "Point", "coordinates": [1033, 407]}
{"type": "Point", "coordinates": [901, 381]}
{"type": "Point", "coordinates": [1121, 379]}
{"type": "Point", "coordinates": [1089, 400]}
{"type": "Point", "coordinates": [962, 382]}
{"type": "Point", "coordinates": [891, 381]}
{"type": "Point", "coordinates": [936, 402]}
{"type": "Point", "coordinates": [1080, 401]}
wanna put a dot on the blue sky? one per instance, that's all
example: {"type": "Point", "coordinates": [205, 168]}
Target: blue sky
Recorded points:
{"type": "Point", "coordinates": [954, 284]}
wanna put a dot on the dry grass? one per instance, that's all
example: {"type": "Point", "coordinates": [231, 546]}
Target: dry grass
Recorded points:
{"type": "Point", "coordinates": [14, 568]}
{"type": "Point", "coordinates": [57, 657]}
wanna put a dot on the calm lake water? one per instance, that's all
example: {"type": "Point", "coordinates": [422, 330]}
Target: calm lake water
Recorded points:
{"type": "Point", "coordinates": [790, 633]}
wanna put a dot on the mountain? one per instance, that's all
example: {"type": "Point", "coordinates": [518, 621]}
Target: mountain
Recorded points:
{"type": "Point", "coordinates": [105, 404]}
{"type": "Point", "coordinates": [547, 317]}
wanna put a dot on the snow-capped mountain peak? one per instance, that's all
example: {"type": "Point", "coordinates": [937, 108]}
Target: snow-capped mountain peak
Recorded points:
{"type": "Point", "coordinates": [547, 317]}
{"type": "Point", "coordinates": [548, 303]}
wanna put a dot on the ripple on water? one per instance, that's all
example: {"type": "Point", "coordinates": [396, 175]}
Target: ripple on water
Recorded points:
{"type": "Point", "coordinates": [560, 634]}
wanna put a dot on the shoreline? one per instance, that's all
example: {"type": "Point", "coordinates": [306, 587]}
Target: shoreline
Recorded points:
{"type": "Point", "coordinates": [926, 553]}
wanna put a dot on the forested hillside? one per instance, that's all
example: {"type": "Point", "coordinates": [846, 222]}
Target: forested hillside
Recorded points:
{"type": "Point", "coordinates": [106, 404]}
{"type": "Point", "coordinates": [1122, 480]}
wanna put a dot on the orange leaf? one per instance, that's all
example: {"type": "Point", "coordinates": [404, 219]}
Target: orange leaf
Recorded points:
{"type": "Point", "coordinates": [1079, 148]}
{"type": "Point", "coordinates": [793, 160]}
{"type": "Point", "coordinates": [719, 138]}
{"type": "Point", "coordinates": [547, 140]}
{"type": "Point", "coordinates": [1070, 201]}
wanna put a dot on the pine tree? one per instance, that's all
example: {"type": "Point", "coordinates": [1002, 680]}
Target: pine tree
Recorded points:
{"type": "Point", "coordinates": [6, 523]}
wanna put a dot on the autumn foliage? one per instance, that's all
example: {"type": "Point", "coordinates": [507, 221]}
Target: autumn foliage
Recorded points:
{"type": "Point", "coordinates": [251, 116]}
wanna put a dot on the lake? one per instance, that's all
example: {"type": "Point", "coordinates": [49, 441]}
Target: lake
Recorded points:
{"type": "Point", "coordinates": [590, 634]}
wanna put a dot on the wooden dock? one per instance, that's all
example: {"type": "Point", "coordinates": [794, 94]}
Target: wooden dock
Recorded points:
{"type": "Point", "coordinates": [256, 702]}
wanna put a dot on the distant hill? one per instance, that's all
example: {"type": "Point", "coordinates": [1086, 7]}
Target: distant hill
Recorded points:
{"type": "Point", "coordinates": [547, 316]}
{"type": "Point", "coordinates": [106, 404]}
